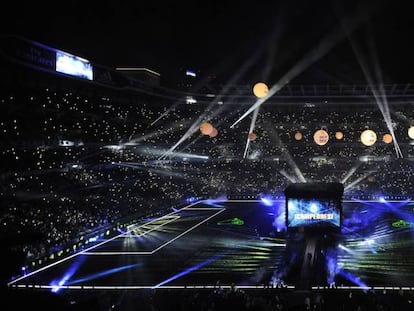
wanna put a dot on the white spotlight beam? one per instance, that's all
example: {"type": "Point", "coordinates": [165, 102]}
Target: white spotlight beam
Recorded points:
{"type": "Point", "coordinates": [161, 116]}
{"type": "Point", "coordinates": [246, 148]}
{"type": "Point", "coordinates": [314, 55]}
{"type": "Point", "coordinates": [252, 125]}
{"type": "Point", "coordinates": [384, 103]}
{"type": "Point", "coordinates": [351, 171]}
{"type": "Point", "coordinates": [356, 182]}
{"type": "Point", "coordinates": [289, 177]}
{"type": "Point", "coordinates": [200, 136]}
{"type": "Point", "coordinates": [194, 127]}
{"type": "Point", "coordinates": [190, 144]}
{"type": "Point", "coordinates": [133, 141]}
{"type": "Point", "coordinates": [196, 124]}
{"type": "Point", "coordinates": [379, 95]}
{"type": "Point", "coordinates": [290, 160]}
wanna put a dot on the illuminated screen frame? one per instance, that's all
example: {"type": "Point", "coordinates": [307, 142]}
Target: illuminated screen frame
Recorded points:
{"type": "Point", "coordinates": [73, 65]}
{"type": "Point", "coordinates": [313, 212]}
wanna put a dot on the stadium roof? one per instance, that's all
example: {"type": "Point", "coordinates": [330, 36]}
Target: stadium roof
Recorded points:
{"type": "Point", "coordinates": [334, 42]}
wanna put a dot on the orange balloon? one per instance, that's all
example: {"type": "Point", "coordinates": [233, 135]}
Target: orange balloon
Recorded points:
{"type": "Point", "coordinates": [387, 138]}
{"type": "Point", "coordinates": [213, 133]}
{"type": "Point", "coordinates": [260, 89]}
{"type": "Point", "coordinates": [298, 136]}
{"type": "Point", "coordinates": [252, 136]}
{"type": "Point", "coordinates": [321, 137]}
{"type": "Point", "coordinates": [339, 135]}
{"type": "Point", "coordinates": [206, 128]}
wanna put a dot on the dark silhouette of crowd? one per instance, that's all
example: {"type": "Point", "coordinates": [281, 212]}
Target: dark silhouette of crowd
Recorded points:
{"type": "Point", "coordinates": [217, 299]}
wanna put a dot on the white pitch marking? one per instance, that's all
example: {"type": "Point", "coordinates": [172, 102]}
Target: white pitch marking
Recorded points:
{"type": "Point", "coordinates": [160, 247]}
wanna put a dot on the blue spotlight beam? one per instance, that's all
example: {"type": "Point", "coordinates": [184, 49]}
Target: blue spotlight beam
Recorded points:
{"type": "Point", "coordinates": [189, 270]}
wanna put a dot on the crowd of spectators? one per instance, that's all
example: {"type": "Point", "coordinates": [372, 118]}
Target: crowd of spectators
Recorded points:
{"type": "Point", "coordinates": [74, 160]}
{"type": "Point", "coordinates": [221, 299]}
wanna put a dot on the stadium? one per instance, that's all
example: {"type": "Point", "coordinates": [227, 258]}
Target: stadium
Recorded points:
{"type": "Point", "coordinates": [120, 193]}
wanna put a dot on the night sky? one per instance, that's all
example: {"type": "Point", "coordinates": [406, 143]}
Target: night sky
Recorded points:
{"type": "Point", "coordinates": [245, 41]}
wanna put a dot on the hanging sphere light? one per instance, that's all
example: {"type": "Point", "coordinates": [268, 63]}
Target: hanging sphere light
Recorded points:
{"type": "Point", "coordinates": [298, 135]}
{"type": "Point", "coordinates": [368, 137]}
{"type": "Point", "coordinates": [339, 135]}
{"type": "Point", "coordinates": [387, 138]}
{"type": "Point", "coordinates": [321, 137]}
{"type": "Point", "coordinates": [213, 133]}
{"type": "Point", "coordinates": [411, 132]}
{"type": "Point", "coordinates": [206, 128]}
{"type": "Point", "coordinates": [252, 136]}
{"type": "Point", "coordinates": [260, 89]}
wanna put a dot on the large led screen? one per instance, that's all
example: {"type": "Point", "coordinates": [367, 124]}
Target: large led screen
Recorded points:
{"type": "Point", "coordinates": [313, 212]}
{"type": "Point", "coordinates": [73, 65]}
